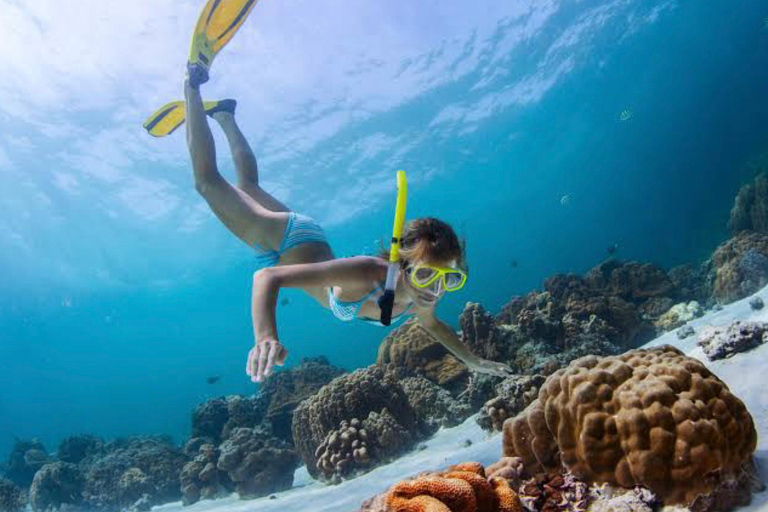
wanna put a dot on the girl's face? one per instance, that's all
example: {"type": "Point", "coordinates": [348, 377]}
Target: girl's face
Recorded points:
{"type": "Point", "coordinates": [423, 297]}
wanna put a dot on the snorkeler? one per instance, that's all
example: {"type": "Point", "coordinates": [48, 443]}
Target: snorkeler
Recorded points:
{"type": "Point", "coordinates": [292, 249]}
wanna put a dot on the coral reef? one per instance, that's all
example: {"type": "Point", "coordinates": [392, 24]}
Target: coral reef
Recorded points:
{"type": "Point", "coordinates": [513, 395]}
{"type": "Point", "coordinates": [739, 336]}
{"type": "Point", "coordinates": [216, 418]}
{"type": "Point", "coordinates": [647, 417]}
{"type": "Point", "coordinates": [371, 395]}
{"type": "Point", "coordinates": [678, 315]}
{"type": "Point", "coordinates": [201, 479]}
{"type": "Point", "coordinates": [26, 458]}
{"type": "Point", "coordinates": [56, 484]}
{"type": "Point", "coordinates": [460, 488]}
{"type": "Point", "coordinates": [552, 492]}
{"type": "Point", "coordinates": [740, 266]}
{"type": "Point", "coordinates": [411, 348]}
{"type": "Point", "coordinates": [750, 208]}
{"type": "Point", "coordinates": [286, 389]}
{"type": "Point", "coordinates": [694, 282]}
{"type": "Point", "coordinates": [257, 462]}
{"type": "Point", "coordinates": [76, 449]}
{"type": "Point", "coordinates": [434, 404]}
{"type": "Point", "coordinates": [141, 472]}
{"type": "Point", "coordinates": [12, 497]}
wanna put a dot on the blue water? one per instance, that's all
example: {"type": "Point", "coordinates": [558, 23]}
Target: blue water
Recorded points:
{"type": "Point", "coordinates": [121, 294]}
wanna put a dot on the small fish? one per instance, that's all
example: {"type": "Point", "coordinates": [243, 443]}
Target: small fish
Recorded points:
{"type": "Point", "coordinates": [213, 380]}
{"type": "Point", "coordinates": [612, 249]}
{"type": "Point", "coordinates": [626, 115]}
{"type": "Point", "coordinates": [285, 302]}
{"type": "Point", "coordinates": [513, 263]}
{"type": "Point", "coordinates": [565, 200]}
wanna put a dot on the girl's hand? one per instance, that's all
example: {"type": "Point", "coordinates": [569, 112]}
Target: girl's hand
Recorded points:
{"type": "Point", "coordinates": [489, 367]}
{"type": "Point", "coordinates": [263, 357]}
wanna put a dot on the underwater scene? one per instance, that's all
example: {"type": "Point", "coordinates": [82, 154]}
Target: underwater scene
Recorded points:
{"type": "Point", "coordinates": [366, 256]}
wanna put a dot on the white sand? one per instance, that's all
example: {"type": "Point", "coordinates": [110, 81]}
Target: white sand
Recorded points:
{"type": "Point", "coordinates": [746, 374]}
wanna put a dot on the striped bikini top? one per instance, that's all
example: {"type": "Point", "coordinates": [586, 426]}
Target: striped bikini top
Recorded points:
{"type": "Point", "coordinates": [347, 311]}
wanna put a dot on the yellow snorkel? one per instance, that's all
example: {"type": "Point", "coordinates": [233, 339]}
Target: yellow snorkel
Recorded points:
{"type": "Point", "coordinates": [387, 300]}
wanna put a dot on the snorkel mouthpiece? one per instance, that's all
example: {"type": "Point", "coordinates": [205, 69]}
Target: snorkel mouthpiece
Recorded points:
{"type": "Point", "coordinates": [387, 299]}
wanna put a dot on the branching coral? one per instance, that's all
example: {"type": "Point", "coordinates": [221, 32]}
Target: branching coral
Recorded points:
{"type": "Point", "coordinates": [648, 417]}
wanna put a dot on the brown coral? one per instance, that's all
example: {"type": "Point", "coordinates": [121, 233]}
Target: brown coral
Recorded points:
{"type": "Point", "coordinates": [410, 347]}
{"type": "Point", "coordinates": [461, 488]}
{"type": "Point", "coordinates": [374, 396]}
{"type": "Point", "coordinates": [648, 417]}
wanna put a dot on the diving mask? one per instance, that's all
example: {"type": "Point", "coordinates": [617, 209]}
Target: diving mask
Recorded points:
{"type": "Point", "coordinates": [428, 276]}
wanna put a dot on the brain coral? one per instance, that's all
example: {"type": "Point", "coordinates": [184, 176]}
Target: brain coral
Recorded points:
{"type": "Point", "coordinates": [461, 488]}
{"type": "Point", "coordinates": [648, 417]}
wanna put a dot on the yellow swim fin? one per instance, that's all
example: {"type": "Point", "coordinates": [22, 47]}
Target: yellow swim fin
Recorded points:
{"type": "Point", "coordinates": [172, 115]}
{"type": "Point", "coordinates": [218, 23]}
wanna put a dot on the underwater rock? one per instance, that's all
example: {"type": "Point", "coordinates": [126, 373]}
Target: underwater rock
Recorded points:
{"type": "Point", "coordinates": [460, 488]}
{"type": "Point", "coordinates": [554, 492]}
{"type": "Point", "coordinates": [12, 497]}
{"type": "Point", "coordinates": [750, 208]}
{"type": "Point", "coordinates": [481, 334]}
{"type": "Point", "coordinates": [756, 303]}
{"type": "Point", "coordinates": [412, 349]}
{"type": "Point", "coordinates": [515, 393]}
{"type": "Point", "coordinates": [605, 498]}
{"type": "Point", "coordinates": [434, 404]}
{"type": "Point", "coordinates": [685, 332]}
{"type": "Point", "coordinates": [80, 448]}
{"type": "Point", "coordinates": [258, 463]}
{"type": "Point", "coordinates": [139, 469]}
{"type": "Point", "coordinates": [679, 315]}
{"type": "Point", "coordinates": [286, 389]}
{"type": "Point", "coordinates": [740, 266]}
{"type": "Point", "coordinates": [739, 336]}
{"type": "Point", "coordinates": [201, 479]}
{"type": "Point", "coordinates": [26, 458]}
{"type": "Point", "coordinates": [56, 484]}
{"type": "Point", "coordinates": [374, 397]}
{"type": "Point", "coordinates": [651, 417]}
{"type": "Point", "coordinates": [216, 418]}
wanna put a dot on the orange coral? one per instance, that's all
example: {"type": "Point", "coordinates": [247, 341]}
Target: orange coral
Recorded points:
{"type": "Point", "coordinates": [461, 488]}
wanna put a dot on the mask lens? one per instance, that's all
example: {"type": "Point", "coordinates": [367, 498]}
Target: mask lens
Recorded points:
{"type": "Point", "coordinates": [453, 280]}
{"type": "Point", "coordinates": [422, 275]}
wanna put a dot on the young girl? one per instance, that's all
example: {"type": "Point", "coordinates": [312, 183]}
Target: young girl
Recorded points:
{"type": "Point", "coordinates": [293, 252]}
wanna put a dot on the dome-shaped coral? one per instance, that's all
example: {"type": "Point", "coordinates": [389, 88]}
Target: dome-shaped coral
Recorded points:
{"type": "Point", "coordinates": [648, 417]}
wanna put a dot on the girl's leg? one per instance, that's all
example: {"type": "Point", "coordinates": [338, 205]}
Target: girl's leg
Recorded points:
{"type": "Point", "coordinates": [245, 164]}
{"type": "Point", "coordinates": [240, 213]}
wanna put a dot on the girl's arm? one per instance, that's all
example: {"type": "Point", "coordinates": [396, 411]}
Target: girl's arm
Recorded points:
{"type": "Point", "coordinates": [266, 286]}
{"type": "Point", "coordinates": [445, 335]}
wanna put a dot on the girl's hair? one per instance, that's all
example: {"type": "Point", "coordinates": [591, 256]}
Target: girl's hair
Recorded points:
{"type": "Point", "coordinates": [430, 239]}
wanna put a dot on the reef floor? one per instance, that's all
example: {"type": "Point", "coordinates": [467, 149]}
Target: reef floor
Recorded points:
{"type": "Point", "coordinates": [745, 373]}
